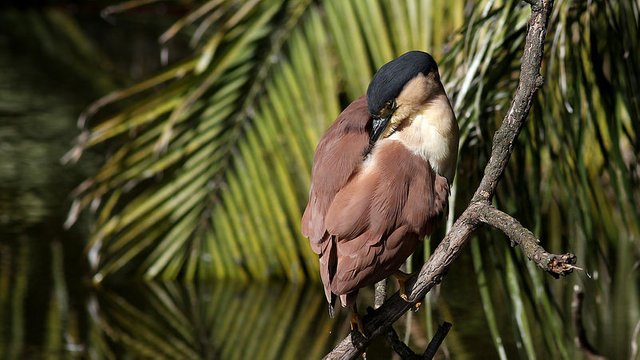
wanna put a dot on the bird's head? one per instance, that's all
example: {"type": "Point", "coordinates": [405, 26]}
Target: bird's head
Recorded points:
{"type": "Point", "coordinates": [399, 89]}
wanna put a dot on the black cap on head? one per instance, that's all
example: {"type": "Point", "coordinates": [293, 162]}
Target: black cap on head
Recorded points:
{"type": "Point", "coordinates": [389, 80]}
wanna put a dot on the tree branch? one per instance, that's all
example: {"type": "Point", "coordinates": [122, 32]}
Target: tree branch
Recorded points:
{"type": "Point", "coordinates": [437, 340]}
{"type": "Point", "coordinates": [479, 210]}
{"type": "Point", "coordinates": [407, 354]}
{"type": "Point", "coordinates": [556, 265]}
{"type": "Point", "coordinates": [380, 293]}
{"type": "Point", "coordinates": [399, 347]}
{"type": "Point", "coordinates": [530, 81]}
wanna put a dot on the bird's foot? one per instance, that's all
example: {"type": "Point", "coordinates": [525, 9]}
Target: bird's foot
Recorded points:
{"type": "Point", "coordinates": [402, 278]}
{"type": "Point", "coordinates": [357, 330]}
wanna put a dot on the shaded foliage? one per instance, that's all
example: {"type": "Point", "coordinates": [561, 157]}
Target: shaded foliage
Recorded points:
{"type": "Point", "coordinates": [211, 157]}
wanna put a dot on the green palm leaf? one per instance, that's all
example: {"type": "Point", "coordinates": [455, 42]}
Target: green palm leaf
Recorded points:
{"type": "Point", "coordinates": [172, 320]}
{"type": "Point", "coordinates": [218, 161]}
{"type": "Point", "coordinates": [211, 157]}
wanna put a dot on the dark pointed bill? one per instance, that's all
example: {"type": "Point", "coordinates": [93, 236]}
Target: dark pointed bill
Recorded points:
{"type": "Point", "coordinates": [379, 125]}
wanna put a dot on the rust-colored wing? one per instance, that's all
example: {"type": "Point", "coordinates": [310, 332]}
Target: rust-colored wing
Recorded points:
{"type": "Point", "coordinates": [365, 217]}
{"type": "Point", "coordinates": [381, 214]}
{"type": "Point", "coordinates": [338, 156]}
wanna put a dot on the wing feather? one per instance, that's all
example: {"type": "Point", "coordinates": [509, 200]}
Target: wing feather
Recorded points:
{"type": "Point", "coordinates": [338, 155]}
{"type": "Point", "coordinates": [364, 219]}
{"type": "Point", "coordinates": [399, 199]}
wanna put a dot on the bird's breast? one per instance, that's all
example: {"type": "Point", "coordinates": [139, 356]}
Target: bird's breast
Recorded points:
{"type": "Point", "coordinates": [433, 135]}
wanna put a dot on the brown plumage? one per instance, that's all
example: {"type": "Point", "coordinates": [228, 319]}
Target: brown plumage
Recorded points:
{"type": "Point", "coordinates": [372, 200]}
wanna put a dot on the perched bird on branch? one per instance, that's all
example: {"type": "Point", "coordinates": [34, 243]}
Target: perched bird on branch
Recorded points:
{"type": "Point", "coordinates": [381, 178]}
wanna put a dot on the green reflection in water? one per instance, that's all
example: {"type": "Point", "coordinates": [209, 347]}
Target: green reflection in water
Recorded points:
{"type": "Point", "coordinates": [157, 320]}
{"type": "Point", "coordinates": [51, 311]}
{"type": "Point", "coordinates": [222, 320]}
{"type": "Point", "coordinates": [46, 311]}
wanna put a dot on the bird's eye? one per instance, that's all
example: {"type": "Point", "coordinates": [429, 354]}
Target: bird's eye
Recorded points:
{"type": "Point", "coordinates": [388, 109]}
{"type": "Point", "coordinates": [391, 104]}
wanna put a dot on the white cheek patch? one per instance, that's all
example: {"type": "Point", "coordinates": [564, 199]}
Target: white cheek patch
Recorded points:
{"type": "Point", "coordinates": [433, 136]}
{"type": "Point", "coordinates": [433, 146]}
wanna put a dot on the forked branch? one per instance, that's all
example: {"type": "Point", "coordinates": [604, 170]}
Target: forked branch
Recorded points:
{"type": "Point", "coordinates": [479, 210]}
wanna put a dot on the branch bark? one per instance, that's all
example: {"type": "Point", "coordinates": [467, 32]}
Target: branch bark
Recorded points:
{"type": "Point", "coordinates": [479, 210]}
{"type": "Point", "coordinates": [429, 353]}
{"type": "Point", "coordinates": [437, 340]}
{"type": "Point", "coordinates": [556, 265]}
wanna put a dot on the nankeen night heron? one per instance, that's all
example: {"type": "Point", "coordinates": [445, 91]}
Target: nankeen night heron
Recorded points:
{"type": "Point", "coordinates": [381, 178]}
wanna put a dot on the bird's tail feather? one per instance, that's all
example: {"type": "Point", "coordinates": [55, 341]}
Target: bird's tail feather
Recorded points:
{"type": "Point", "coordinates": [332, 305]}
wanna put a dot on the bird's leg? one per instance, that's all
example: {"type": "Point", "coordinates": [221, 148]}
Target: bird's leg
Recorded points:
{"type": "Point", "coordinates": [356, 321]}
{"type": "Point", "coordinates": [402, 278]}
{"type": "Point", "coordinates": [357, 327]}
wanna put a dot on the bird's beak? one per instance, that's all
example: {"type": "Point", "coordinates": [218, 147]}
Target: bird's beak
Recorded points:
{"type": "Point", "coordinates": [379, 125]}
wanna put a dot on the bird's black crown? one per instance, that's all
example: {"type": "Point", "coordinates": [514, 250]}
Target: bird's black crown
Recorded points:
{"type": "Point", "coordinates": [389, 80]}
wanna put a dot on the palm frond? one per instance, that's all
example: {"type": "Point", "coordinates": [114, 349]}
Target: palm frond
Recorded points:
{"type": "Point", "coordinates": [211, 157]}
{"type": "Point", "coordinates": [169, 320]}
{"type": "Point", "coordinates": [174, 146]}
{"type": "Point", "coordinates": [201, 169]}
{"type": "Point", "coordinates": [574, 160]}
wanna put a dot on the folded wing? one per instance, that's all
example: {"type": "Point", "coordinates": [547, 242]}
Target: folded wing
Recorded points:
{"type": "Point", "coordinates": [368, 207]}
{"type": "Point", "coordinates": [381, 214]}
{"type": "Point", "coordinates": [338, 156]}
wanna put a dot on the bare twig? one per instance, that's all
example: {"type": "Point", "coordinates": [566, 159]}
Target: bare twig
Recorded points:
{"type": "Point", "coordinates": [479, 210]}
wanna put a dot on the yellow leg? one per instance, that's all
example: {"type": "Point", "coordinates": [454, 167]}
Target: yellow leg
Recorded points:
{"type": "Point", "coordinates": [402, 278]}
{"type": "Point", "coordinates": [356, 321]}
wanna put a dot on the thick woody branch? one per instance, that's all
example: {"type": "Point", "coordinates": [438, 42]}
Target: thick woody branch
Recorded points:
{"type": "Point", "coordinates": [479, 210]}
{"type": "Point", "coordinates": [530, 81]}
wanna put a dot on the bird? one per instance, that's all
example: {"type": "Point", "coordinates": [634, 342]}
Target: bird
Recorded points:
{"type": "Point", "coordinates": [381, 179]}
